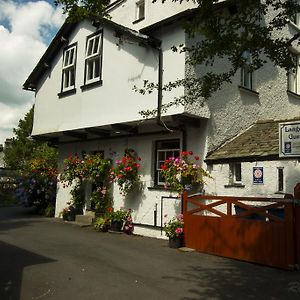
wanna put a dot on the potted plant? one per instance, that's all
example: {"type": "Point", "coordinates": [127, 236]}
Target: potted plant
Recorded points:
{"type": "Point", "coordinates": [68, 213]}
{"type": "Point", "coordinates": [117, 218]}
{"type": "Point", "coordinates": [183, 172]}
{"type": "Point", "coordinates": [174, 230]}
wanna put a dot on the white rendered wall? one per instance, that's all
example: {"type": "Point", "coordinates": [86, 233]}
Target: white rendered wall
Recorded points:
{"type": "Point", "coordinates": [125, 64]}
{"type": "Point", "coordinates": [269, 188]}
{"type": "Point", "coordinates": [144, 200]}
{"type": "Point", "coordinates": [154, 12]}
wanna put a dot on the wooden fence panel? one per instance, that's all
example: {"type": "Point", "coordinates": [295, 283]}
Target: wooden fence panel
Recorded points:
{"type": "Point", "coordinates": [254, 235]}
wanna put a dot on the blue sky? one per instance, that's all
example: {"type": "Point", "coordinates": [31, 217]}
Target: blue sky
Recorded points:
{"type": "Point", "coordinates": [26, 29]}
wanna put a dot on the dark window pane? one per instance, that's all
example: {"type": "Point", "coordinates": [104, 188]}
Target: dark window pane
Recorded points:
{"type": "Point", "coordinates": [97, 67]}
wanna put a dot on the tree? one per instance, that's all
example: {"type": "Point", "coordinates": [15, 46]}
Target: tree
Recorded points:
{"type": "Point", "coordinates": [23, 149]}
{"type": "Point", "coordinates": [229, 30]}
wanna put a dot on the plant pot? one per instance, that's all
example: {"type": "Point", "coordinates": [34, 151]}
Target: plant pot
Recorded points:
{"type": "Point", "coordinates": [69, 217]}
{"type": "Point", "coordinates": [116, 226]}
{"type": "Point", "coordinates": [175, 242]}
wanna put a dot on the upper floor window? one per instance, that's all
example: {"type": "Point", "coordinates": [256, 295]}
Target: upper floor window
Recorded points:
{"type": "Point", "coordinates": [164, 150]}
{"type": "Point", "coordinates": [293, 74]}
{"type": "Point", "coordinates": [235, 173]}
{"type": "Point", "coordinates": [93, 58]}
{"type": "Point", "coordinates": [246, 72]}
{"type": "Point", "coordinates": [69, 64]}
{"type": "Point", "coordinates": [295, 17]}
{"type": "Point", "coordinates": [140, 10]}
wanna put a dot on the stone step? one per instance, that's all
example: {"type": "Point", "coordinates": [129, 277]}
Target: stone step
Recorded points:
{"type": "Point", "coordinates": [90, 213]}
{"type": "Point", "coordinates": [84, 219]}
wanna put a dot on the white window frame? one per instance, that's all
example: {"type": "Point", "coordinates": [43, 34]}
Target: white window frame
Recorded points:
{"type": "Point", "coordinates": [235, 177]}
{"type": "Point", "coordinates": [246, 73]}
{"type": "Point", "coordinates": [93, 56]}
{"type": "Point", "coordinates": [140, 10]}
{"type": "Point", "coordinates": [161, 155]}
{"type": "Point", "coordinates": [293, 76]}
{"type": "Point", "coordinates": [69, 68]}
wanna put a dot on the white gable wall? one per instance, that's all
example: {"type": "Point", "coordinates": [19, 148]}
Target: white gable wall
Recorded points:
{"type": "Point", "coordinates": [154, 12]}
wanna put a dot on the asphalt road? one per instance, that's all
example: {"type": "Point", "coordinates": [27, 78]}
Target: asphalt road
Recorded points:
{"type": "Point", "coordinates": [44, 258]}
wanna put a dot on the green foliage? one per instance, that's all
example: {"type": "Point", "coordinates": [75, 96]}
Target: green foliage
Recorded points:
{"type": "Point", "coordinates": [77, 194]}
{"type": "Point", "coordinates": [23, 149]}
{"type": "Point", "coordinates": [174, 227]}
{"type": "Point", "coordinates": [101, 199]}
{"type": "Point", "coordinates": [50, 210]}
{"type": "Point", "coordinates": [102, 223]}
{"type": "Point", "coordinates": [80, 9]}
{"type": "Point", "coordinates": [118, 215]}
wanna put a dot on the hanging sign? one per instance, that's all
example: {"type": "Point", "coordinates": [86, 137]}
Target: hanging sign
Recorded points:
{"type": "Point", "coordinates": [258, 175]}
{"type": "Point", "coordinates": [289, 139]}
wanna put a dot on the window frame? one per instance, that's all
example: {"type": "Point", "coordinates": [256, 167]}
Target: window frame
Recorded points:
{"type": "Point", "coordinates": [158, 161]}
{"type": "Point", "coordinates": [246, 73]}
{"type": "Point", "coordinates": [233, 173]}
{"type": "Point", "coordinates": [93, 57]}
{"type": "Point", "coordinates": [138, 15]}
{"type": "Point", "coordinates": [293, 76]}
{"type": "Point", "coordinates": [280, 179]}
{"type": "Point", "coordinates": [67, 68]}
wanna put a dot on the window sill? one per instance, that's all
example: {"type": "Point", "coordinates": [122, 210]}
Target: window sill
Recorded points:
{"type": "Point", "coordinates": [138, 20]}
{"type": "Point", "coordinates": [292, 94]}
{"type": "Point", "coordinates": [158, 188]}
{"type": "Point", "coordinates": [234, 185]}
{"type": "Point", "coordinates": [248, 91]}
{"type": "Point", "coordinates": [91, 85]}
{"type": "Point", "coordinates": [280, 193]}
{"type": "Point", "coordinates": [67, 93]}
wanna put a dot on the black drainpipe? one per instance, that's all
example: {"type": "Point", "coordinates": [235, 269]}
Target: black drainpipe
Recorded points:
{"type": "Point", "coordinates": [159, 94]}
{"type": "Point", "coordinates": [159, 99]}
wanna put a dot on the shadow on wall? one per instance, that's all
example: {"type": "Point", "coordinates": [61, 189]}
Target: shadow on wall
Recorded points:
{"type": "Point", "coordinates": [135, 198]}
{"type": "Point", "coordinates": [13, 261]}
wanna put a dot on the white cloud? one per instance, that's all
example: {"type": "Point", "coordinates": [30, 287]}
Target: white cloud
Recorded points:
{"type": "Point", "coordinates": [25, 29]}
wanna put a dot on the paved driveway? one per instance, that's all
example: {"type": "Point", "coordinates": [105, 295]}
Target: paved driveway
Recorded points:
{"type": "Point", "coordinates": [44, 258]}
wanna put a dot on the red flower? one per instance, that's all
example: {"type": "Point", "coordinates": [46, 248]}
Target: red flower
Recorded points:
{"type": "Point", "coordinates": [196, 157]}
{"type": "Point", "coordinates": [191, 153]}
{"type": "Point", "coordinates": [110, 209]}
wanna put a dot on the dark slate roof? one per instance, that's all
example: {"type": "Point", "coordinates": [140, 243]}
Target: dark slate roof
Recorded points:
{"type": "Point", "coordinates": [259, 142]}
{"type": "Point", "coordinates": [60, 39]}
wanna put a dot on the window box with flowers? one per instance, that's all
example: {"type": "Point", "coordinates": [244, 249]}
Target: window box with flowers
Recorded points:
{"type": "Point", "coordinates": [125, 173]}
{"type": "Point", "coordinates": [174, 230]}
{"type": "Point", "coordinates": [183, 173]}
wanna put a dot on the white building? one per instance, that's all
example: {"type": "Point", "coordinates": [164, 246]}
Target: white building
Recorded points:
{"type": "Point", "coordinates": [85, 102]}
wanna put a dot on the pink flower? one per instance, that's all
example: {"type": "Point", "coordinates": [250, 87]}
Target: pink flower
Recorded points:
{"type": "Point", "coordinates": [179, 231]}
